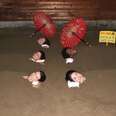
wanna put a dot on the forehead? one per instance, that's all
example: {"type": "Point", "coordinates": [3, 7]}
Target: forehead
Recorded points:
{"type": "Point", "coordinates": [38, 73]}
{"type": "Point", "coordinates": [67, 50]}
{"type": "Point", "coordinates": [39, 52]}
{"type": "Point", "coordinates": [41, 39]}
{"type": "Point", "coordinates": [74, 74]}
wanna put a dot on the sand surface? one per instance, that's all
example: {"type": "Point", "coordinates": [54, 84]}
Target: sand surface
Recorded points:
{"type": "Point", "coordinates": [96, 97]}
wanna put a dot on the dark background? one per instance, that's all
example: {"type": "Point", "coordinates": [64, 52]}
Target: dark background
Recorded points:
{"type": "Point", "coordinates": [58, 10]}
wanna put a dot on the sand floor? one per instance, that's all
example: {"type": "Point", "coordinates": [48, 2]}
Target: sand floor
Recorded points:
{"type": "Point", "coordinates": [96, 96]}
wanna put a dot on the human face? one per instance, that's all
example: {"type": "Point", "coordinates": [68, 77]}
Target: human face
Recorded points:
{"type": "Point", "coordinates": [77, 77]}
{"type": "Point", "coordinates": [41, 41]}
{"type": "Point", "coordinates": [35, 76]}
{"type": "Point", "coordinates": [71, 51]}
{"type": "Point", "coordinates": [37, 55]}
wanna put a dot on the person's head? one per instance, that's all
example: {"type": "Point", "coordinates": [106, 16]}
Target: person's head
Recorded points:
{"type": "Point", "coordinates": [41, 40]}
{"type": "Point", "coordinates": [44, 42]}
{"type": "Point", "coordinates": [67, 54]}
{"type": "Point", "coordinates": [68, 76]}
{"type": "Point", "coordinates": [64, 53]}
{"type": "Point", "coordinates": [39, 55]}
{"type": "Point", "coordinates": [37, 76]}
{"type": "Point", "coordinates": [74, 76]}
{"type": "Point", "coordinates": [71, 51]}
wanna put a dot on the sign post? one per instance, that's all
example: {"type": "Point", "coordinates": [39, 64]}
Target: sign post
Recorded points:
{"type": "Point", "coordinates": [107, 37]}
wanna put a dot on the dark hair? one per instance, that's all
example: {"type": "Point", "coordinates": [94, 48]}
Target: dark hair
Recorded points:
{"type": "Point", "coordinates": [42, 55]}
{"type": "Point", "coordinates": [68, 75]}
{"type": "Point", "coordinates": [64, 53]}
{"type": "Point", "coordinates": [43, 76]}
{"type": "Point", "coordinates": [47, 42]}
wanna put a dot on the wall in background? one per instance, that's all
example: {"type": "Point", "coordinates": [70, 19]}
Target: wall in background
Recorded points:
{"type": "Point", "coordinates": [20, 10]}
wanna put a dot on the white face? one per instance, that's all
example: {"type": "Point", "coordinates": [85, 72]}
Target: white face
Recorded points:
{"type": "Point", "coordinates": [35, 76]}
{"type": "Point", "coordinates": [37, 55]}
{"type": "Point", "coordinates": [77, 77]}
{"type": "Point", "coordinates": [41, 41]}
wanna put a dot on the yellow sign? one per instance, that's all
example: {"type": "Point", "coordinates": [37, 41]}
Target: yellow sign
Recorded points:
{"type": "Point", "coordinates": [107, 37]}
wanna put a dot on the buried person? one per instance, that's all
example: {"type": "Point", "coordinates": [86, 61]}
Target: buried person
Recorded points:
{"type": "Point", "coordinates": [74, 79]}
{"type": "Point", "coordinates": [68, 54]}
{"type": "Point", "coordinates": [36, 78]}
{"type": "Point", "coordinates": [38, 57]}
{"type": "Point", "coordinates": [43, 42]}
